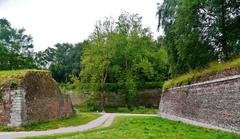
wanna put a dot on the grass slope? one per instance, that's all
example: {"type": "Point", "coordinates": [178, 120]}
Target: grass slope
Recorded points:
{"type": "Point", "coordinates": [74, 120]}
{"type": "Point", "coordinates": [212, 69]}
{"type": "Point", "coordinates": [146, 128]}
{"type": "Point", "coordinates": [17, 75]}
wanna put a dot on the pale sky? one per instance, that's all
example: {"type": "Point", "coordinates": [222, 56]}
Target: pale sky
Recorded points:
{"type": "Point", "coordinates": [58, 21]}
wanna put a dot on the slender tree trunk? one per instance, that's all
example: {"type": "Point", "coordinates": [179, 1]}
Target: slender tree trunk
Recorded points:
{"type": "Point", "coordinates": [102, 97]}
{"type": "Point", "coordinates": [223, 29]}
{"type": "Point", "coordinates": [102, 101]}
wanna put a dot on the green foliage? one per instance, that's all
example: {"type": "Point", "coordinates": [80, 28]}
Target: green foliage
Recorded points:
{"type": "Point", "coordinates": [111, 87]}
{"type": "Point", "coordinates": [145, 128]}
{"type": "Point", "coordinates": [117, 109]}
{"type": "Point", "coordinates": [62, 60]}
{"type": "Point", "coordinates": [144, 110]}
{"type": "Point", "coordinates": [150, 85]}
{"type": "Point", "coordinates": [212, 69]}
{"type": "Point", "coordinates": [74, 120]}
{"type": "Point", "coordinates": [15, 48]}
{"type": "Point", "coordinates": [12, 78]}
{"type": "Point", "coordinates": [186, 51]}
{"type": "Point", "coordinates": [218, 18]}
{"type": "Point", "coordinates": [198, 32]}
{"type": "Point", "coordinates": [122, 56]}
{"type": "Point", "coordinates": [86, 108]}
{"type": "Point", "coordinates": [13, 85]}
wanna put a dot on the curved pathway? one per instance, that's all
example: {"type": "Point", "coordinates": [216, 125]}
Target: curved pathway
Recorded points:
{"type": "Point", "coordinates": [104, 121]}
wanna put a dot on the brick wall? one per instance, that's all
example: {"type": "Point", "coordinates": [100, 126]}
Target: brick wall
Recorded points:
{"type": "Point", "coordinates": [215, 102]}
{"type": "Point", "coordinates": [145, 97]}
{"type": "Point", "coordinates": [37, 98]}
{"type": "Point", "coordinates": [44, 100]}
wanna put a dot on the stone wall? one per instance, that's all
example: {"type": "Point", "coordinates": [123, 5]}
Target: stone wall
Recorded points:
{"type": "Point", "coordinates": [149, 97]}
{"type": "Point", "coordinates": [215, 102]}
{"type": "Point", "coordinates": [45, 108]}
{"type": "Point", "coordinates": [145, 97]}
{"type": "Point", "coordinates": [18, 115]}
{"type": "Point", "coordinates": [13, 107]}
{"type": "Point", "coordinates": [36, 98]}
{"type": "Point", "coordinates": [44, 100]}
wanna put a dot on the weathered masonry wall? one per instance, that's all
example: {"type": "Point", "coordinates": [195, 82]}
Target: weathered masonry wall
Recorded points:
{"type": "Point", "coordinates": [17, 109]}
{"type": "Point", "coordinates": [35, 98]}
{"type": "Point", "coordinates": [13, 108]}
{"type": "Point", "coordinates": [145, 97]}
{"type": "Point", "coordinates": [215, 102]}
{"type": "Point", "coordinates": [18, 113]}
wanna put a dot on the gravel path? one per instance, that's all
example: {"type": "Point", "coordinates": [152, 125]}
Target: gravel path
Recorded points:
{"type": "Point", "coordinates": [104, 121]}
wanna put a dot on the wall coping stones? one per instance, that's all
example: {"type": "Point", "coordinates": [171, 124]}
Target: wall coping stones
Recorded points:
{"type": "Point", "coordinates": [208, 82]}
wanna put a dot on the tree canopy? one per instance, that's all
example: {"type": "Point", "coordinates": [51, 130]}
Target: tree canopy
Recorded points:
{"type": "Point", "coordinates": [15, 48]}
{"type": "Point", "coordinates": [198, 32]}
{"type": "Point", "coordinates": [122, 53]}
{"type": "Point", "coordinates": [63, 60]}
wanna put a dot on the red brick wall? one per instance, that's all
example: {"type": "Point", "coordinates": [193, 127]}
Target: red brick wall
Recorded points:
{"type": "Point", "coordinates": [215, 102]}
{"type": "Point", "coordinates": [5, 107]}
{"type": "Point", "coordinates": [44, 100]}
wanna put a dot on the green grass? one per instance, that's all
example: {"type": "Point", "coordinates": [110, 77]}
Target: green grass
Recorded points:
{"type": "Point", "coordinates": [212, 69]}
{"type": "Point", "coordinates": [74, 120]}
{"type": "Point", "coordinates": [146, 128]}
{"type": "Point", "coordinates": [136, 110]}
{"type": "Point", "coordinates": [17, 75]}
{"type": "Point", "coordinates": [114, 109]}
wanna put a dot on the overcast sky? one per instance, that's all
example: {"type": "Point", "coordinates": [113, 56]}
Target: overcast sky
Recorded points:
{"type": "Point", "coordinates": [53, 21]}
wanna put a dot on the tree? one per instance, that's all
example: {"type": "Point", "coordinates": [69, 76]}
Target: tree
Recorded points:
{"type": "Point", "coordinates": [198, 31]}
{"type": "Point", "coordinates": [135, 56]}
{"type": "Point", "coordinates": [62, 60]}
{"type": "Point", "coordinates": [123, 54]}
{"type": "Point", "coordinates": [218, 18]}
{"type": "Point", "coordinates": [96, 60]}
{"type": "Point", "coordinates": [15, 47]}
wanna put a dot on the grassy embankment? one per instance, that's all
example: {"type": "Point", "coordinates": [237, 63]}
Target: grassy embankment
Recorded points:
{"type": "Point", "coordinates": [211, 69]}
{"type": "Point", "coordinates": [146, 128]}
{"type": "Point", "coordinates": [15, 76]}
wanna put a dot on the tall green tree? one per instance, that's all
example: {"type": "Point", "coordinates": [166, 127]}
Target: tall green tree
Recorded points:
{"type": "Point", "coordinates": [135, 58]}
{"type": "Point", "coordinates": [182, 40]}
{"type": "Point", "coordinates": [199, 31]}
{"type": "Point", "coordinates": [96, 60]}
{"type": "Point", "coordinates": [122, 53]}
{"type": "Point", "coordinates": [219, 19]}
{"type": "Point", "coordinates": [16, 48]}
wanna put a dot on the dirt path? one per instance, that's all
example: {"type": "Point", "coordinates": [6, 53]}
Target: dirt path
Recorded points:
{"type": "Point", "coordinates": [104, 121]}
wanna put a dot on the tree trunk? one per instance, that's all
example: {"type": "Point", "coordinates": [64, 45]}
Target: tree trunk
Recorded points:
{"type": "Point", "coordinates": [102, 91]}
{"type": "Point", "coordinates": [102, 101]}
{"type": "Point", "coordinates": [223, 29]}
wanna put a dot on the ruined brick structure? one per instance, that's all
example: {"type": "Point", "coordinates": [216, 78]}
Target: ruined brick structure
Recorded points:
{"type": "Point", "coordinates": [36, 97]}
{"type": "Point", "coordinates": [215, 102]}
